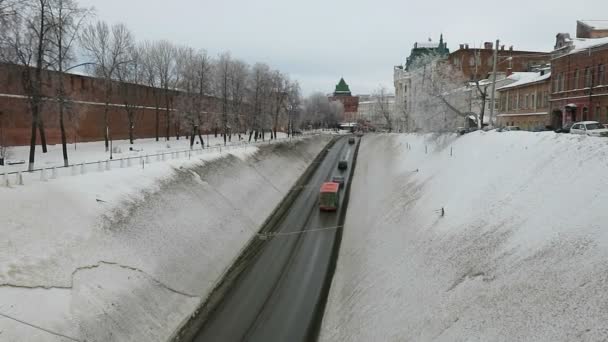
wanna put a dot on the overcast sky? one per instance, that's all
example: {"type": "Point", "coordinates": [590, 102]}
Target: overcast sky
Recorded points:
{"type": "Point", "coordinates": [318, 41]}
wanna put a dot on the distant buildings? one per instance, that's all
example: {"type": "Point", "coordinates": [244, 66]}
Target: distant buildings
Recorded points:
{"type": "Point", "coordinates": [351, 103]}
{"type": "Point", "coordinates": [580, 81]}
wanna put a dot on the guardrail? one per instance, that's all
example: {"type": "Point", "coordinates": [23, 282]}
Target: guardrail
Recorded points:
{"type": "Point", "coordinates": [15, 178]}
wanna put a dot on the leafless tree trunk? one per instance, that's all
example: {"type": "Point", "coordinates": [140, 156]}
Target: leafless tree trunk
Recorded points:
{"type": "Point", "coordinates": [67, 19]}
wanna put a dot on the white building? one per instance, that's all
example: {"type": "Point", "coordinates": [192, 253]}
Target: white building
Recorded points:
{"type": "Point", "coordinates": [370, 111]}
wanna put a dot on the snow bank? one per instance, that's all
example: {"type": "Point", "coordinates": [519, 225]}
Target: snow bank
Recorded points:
{"type": "Point", "coordinates": [127, 255]}
{"type": "Point", "coordinates": [521, 254]}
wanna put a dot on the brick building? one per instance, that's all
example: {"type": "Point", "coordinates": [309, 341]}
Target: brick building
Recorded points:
{"type": "Point", "coordinates": [580, 81]}
{"type": "Point", "coordinates": [476, 64]}
{"type": "Point", "coordinates": [350, 103]}
{"type": "Point", "coordinates": [85, 117]}
{"type": "Point", "coordinates": [591, 28]}
{"type": "Point", "coordinates": [525, 103]}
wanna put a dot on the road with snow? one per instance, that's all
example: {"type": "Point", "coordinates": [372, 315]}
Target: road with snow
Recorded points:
{"type": "Point", "coordinates": [278, 297]}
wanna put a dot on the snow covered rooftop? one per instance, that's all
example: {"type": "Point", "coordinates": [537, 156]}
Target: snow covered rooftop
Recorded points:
{"type": "Point", "coordinates": [596, 24]}
{"type": "Point", "coordinates": [524, 78]}
{"type": "Point", "coordinates": [581, 44]}
{"type": "Point", "coordinates": [426, 45]}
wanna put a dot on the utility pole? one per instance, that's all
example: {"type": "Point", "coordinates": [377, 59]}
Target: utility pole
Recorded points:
{"type": "Point", "coordinates": [493, 98]}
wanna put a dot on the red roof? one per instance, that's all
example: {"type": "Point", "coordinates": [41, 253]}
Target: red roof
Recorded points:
{"type": "Point", "coordinates": [330, 187]}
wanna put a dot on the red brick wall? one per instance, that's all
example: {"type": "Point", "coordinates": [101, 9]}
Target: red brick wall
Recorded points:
{"type": "Point", "coordinates": [84, 121]}
{"type": "Point", "coordinates": [573, 90]}
{"type": "Point", "coordinates": [463, 60]}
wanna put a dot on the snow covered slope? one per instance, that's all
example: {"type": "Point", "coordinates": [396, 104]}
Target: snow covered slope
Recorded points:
{"type": "Point", "coordinates": [520, 255]}
{"type": "Point", "coordinates": [126, 255]}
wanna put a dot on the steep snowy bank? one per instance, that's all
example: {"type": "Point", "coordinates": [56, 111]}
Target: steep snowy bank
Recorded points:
{"type": "Point", "coordinates": [133, 265]}
{"type": "Point", "coordinates": [520, 255]}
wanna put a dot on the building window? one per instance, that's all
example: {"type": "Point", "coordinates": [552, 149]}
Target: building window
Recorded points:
{"type": "Point", "coordinates": [601, 74]}
{"type": "Point", "coordinates": [587, 77]}
{"type": "Point", "coordinates": [598, 113]}
{"type": "Point", "coordinates": [576, 79]}
{"type": "Point", "coordinates": [585, 113]}
{"type": "Point", "coordinates": [562, 83]}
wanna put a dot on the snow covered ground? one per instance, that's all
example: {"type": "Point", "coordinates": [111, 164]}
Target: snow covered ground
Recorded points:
{"type": "Point", "coordinates": [95, 151]}
{"type": "Point", "coordinates": [520, 255]}
{"type": "Point", "coordinates": [127, 255]}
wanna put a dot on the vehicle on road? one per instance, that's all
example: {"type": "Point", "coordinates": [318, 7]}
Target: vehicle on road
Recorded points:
{"type": "Point", "coordinates": [565, 128]}
{"type": "Point", "coordinates": [338, 179]}
{"type": "Point", "coordinates": [329, 196]}
{"type": "Point", "coordinates": [351, 140]}
{"type": "Point", "coordinates": [511, 128]}
{"type": "Point", "coordinates": [591, 128]}
{"type": "Point", "coordinates": [343, 165]}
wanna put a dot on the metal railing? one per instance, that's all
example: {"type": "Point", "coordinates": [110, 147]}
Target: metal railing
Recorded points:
{"type": "Point", "coordinates": [15, 178]}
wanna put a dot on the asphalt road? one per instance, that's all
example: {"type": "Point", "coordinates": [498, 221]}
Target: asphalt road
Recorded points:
{"type": "Point", "coordinates": [277, 296]}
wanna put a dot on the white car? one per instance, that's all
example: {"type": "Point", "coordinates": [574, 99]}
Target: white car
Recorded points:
{"type": "Point", "coordinates": [591, 128]}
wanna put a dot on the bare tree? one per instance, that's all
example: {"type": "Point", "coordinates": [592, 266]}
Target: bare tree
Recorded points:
{"type": "Point", "coordinates": [164, 60]}
{"type": "Point", "coordinates": [26, 42]}
{"type": "Point", "coordinates": [67, 18]}
{"type": "Point", "coordinates": [151, 79]}
{"type": "Point", "coordinates": [130, 74]}
{"type": "Point", "coordinates": [259, 85]}
{"type": "Point", "coordinates": [239, 73]}
{"type": "Point", "coordinates": [108, 48]}
{"type": "Point", "coordinates": [222, 84]}
{"type": "Point", "coordinates": [294, 102]}
{"type": "Point", "coordinates": [279, 95]}
{"type": "Point", "coordinates": [381, 107]}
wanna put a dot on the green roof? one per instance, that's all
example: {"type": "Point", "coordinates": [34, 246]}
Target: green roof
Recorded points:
{"type": "Point", "coordinates": [342, 87]}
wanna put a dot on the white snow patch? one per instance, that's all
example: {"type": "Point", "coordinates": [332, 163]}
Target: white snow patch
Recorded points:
{"type": "Point", "coordinates": [521, 254]}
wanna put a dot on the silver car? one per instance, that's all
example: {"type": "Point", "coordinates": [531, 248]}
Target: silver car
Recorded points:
{"type": "Point", "coordinates": [591, 128]}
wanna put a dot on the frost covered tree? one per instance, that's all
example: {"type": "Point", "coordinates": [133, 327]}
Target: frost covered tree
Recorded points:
{"type": "Point", "coordinates": [294, 104]}
{"type": "Point", "coordinates": [128, 74]}
{"type": "Point", "coordinates": [319, 112]}
{"type": "Point", "coordinates": [381, 107]}
{"type": "Point", "coordinates": [438, 99]}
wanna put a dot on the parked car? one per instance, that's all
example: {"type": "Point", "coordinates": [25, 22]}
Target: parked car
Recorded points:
{"type": "Point", "coordinates": [564, 129]}
{"type": "Point", "coordinates": [463, 130]}
{"type": "Point", "coordinates": [338, 179]}
{"type": "Point", "coordinates": [511, 128]}
{"type": "Point", "coordinates": [591, 128]}
{"type": "Point", "coordinates": [351, 140]}
{"type": "Point", "coordinates": [343, 164]}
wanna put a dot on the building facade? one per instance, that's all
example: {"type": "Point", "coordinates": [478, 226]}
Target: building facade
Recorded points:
{"type": "Point", "coordinates": [477, 64]}
{"type": "Point", "coordinates": [343, 94]}
{"type": "Point", "coordinates": [525, 103]}
{"type": "Point", "coordinates": [370, 111]}
{"type": "Point", "coordinates": [579, 89]}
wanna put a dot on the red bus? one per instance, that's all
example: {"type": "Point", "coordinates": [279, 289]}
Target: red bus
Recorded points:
{"type": "Point", "coordinates": [328, 198]}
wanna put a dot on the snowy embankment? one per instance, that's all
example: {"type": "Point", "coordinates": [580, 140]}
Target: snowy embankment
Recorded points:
{"type": "Point", "coordinates": [127, 255]}
{"type": "Point", "coordinates": [520, 255]}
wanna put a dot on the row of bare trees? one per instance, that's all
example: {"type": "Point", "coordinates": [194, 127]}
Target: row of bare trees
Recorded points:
{"type": "Point", "coordinates": [194, 91]}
